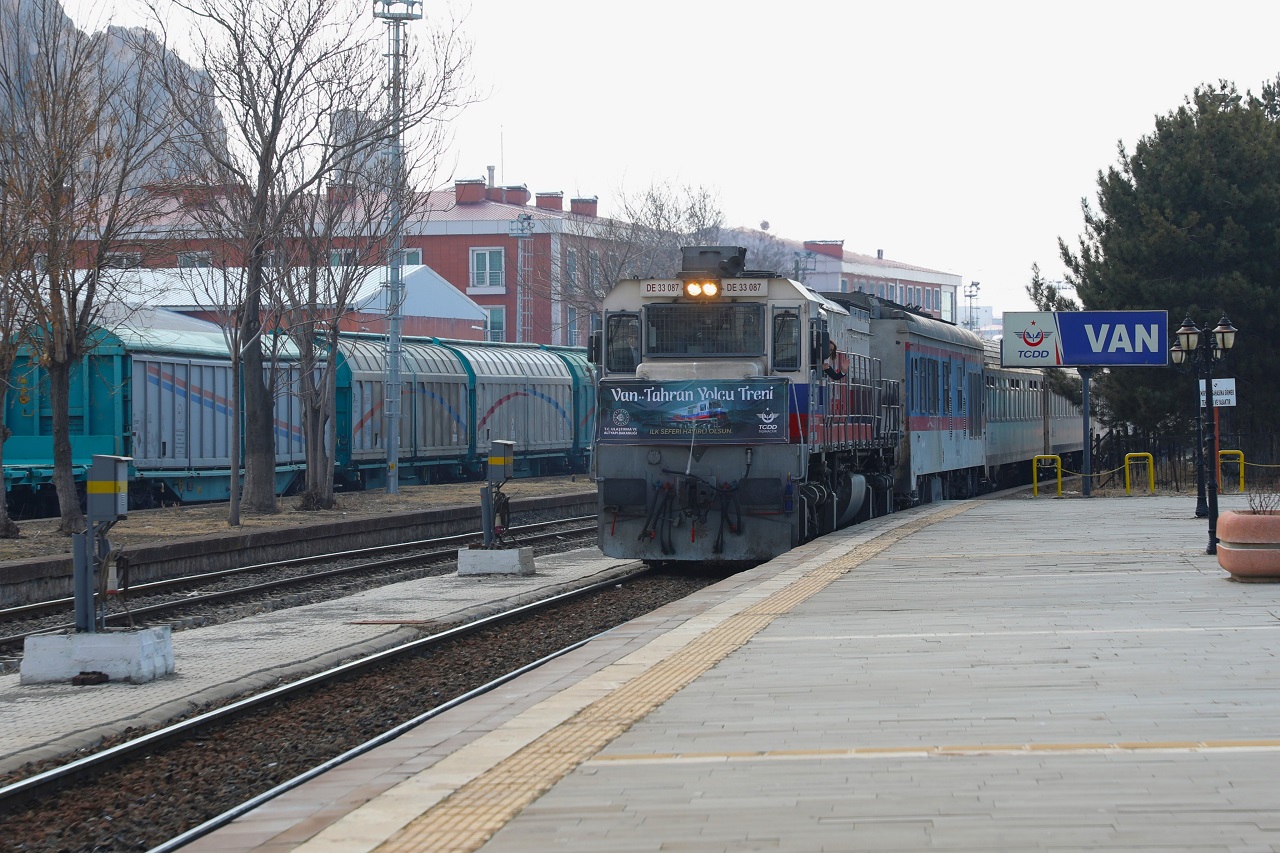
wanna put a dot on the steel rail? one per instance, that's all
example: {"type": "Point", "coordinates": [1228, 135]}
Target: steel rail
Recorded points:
{"type": "Point", "coordinates": [82, 768]}
{"type": "Point", "coordinates": [185, 580]}
{"type": "Point", "coordinates": [281, 583]}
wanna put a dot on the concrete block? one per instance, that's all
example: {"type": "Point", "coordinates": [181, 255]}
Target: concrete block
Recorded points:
{"type": "Point", "coordinates": [505, 561]}
{"type": "Point", "coordinates": [133, 656]}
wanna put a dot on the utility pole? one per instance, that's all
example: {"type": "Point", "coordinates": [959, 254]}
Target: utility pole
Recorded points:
{"type": "Point", "coordinates": [395, 13]}
{"type": "Point", "coordinates": [805, 262]}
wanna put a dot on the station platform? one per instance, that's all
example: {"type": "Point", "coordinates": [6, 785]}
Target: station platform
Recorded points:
{"type": "Point", "coordinates": [221, 662]}
{"type": "Point", "coordinates": [1009, 674]}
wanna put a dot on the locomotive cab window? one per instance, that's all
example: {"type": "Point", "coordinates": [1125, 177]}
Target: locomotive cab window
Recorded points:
{"type": "Point", "coordinates": [623, 343]}
{"type": "Point", "coordinates": [786, 340]}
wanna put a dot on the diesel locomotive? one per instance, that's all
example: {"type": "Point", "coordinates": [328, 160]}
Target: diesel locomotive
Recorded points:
{"type": "Point", "coordinates": [741, 413]}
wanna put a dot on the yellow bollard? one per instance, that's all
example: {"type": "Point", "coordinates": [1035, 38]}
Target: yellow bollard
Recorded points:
{"type": "Point", "coordinates": [1035, 467]}
{"type": "Point", "coordinates": [1151, 470]}
{"type": "Point", "coordinates": [1237, 455]}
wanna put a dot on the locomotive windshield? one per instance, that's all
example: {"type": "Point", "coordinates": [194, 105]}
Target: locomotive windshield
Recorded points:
{"type": "Point", "coordinates": [720, 330]}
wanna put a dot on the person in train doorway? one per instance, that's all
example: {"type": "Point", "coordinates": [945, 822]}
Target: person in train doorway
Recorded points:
{"type": "Point", "coordinates": [833, 367]}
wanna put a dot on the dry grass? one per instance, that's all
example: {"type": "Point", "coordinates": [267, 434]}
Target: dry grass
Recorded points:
{"type": "Point", "coordinates": [41, 539]}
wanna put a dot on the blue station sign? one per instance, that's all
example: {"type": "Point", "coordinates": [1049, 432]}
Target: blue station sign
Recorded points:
{"type": "Point", "coordinates": [1085, 339]}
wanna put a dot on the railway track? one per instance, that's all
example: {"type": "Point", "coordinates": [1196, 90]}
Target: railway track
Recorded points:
{"type": "Point", "coordinates": [168, 600]}
{"type": "Point", "coordinates": [166, 787]}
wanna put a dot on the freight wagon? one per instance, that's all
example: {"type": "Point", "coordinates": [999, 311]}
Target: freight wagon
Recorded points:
{"type": "Point", "coordinates": [157, 387]}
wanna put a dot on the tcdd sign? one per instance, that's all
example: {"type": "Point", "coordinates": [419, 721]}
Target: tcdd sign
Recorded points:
{"type": "Point", "coordinates": [1086, 339]}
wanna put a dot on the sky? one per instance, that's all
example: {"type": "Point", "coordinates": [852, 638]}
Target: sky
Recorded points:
{"type": "Point", "coordinates": [959, 137]}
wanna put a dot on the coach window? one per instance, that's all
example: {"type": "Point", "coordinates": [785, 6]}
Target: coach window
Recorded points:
{"type": "Point", "coordinates": [934, 387]}
{"type": "Point", "coordinates": [946, 387]}
{"type": "Point", "coordinates": [786, 340]}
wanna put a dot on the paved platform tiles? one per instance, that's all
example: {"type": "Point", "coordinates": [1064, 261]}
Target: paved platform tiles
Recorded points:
{"type": "Point", "coordinates": [1011, 675]}
{"type": "Point", "coordinates": [223, 661]}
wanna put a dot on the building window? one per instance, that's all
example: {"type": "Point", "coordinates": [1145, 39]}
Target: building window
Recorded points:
{"type": "Point", "coordinates": [595, 275]}
{"type": "Point", "coordinates": [411, 258]}
{"type": "Point", "coordinates": [342, 257]}
{"type": "Point", "coordinates": [571, 326]}
{"type": "Point", "coordinates": [571, 269]}
{"type": "Point", "coordinates": [497, 326]}
{"type": "Point", "coordinates": [195, 260]}
{"type": "Point", "coordinates": [122, 261]}
{"type": "Point", "coordinates": [486, 268]}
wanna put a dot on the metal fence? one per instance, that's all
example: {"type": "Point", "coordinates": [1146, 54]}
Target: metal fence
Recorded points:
{"type": "Point", "coordinates": [1174, 459]}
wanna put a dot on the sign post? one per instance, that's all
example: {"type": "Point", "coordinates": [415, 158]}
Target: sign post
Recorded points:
{"type": "Point", "coordinates": [1086, 340]}
{"type": "Point", "coordinates": [1224, 394]}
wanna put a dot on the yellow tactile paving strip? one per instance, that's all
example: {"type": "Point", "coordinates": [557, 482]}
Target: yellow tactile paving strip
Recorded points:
{"type": "Point", "coordinates": [468, 817]}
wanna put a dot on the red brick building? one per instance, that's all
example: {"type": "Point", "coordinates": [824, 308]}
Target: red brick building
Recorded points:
{"type": "Point", "coordinates": [528, 265]}
{"type": "Point", "coordinates": [534, 267]}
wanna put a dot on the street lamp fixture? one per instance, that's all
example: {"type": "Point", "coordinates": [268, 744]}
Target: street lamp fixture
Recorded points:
{"type": "Point", "coordinates": [1199, 351]}
{"type": "Point", "coordinates": [971, 292]}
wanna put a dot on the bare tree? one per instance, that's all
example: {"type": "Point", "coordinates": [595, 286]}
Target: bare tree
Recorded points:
{"type": "Point", "coordinates": [79, 113]}
{"type": "Point", "coordinates": [765, 251]}
{"type": "Point", "coordinates": [300, 87]}
{"type": "Point", "coordinates": [15, 311]}
{"type": "Point", "coordinates": [642, 241]}
{"type": "Point", "coordinates": [342, 240]}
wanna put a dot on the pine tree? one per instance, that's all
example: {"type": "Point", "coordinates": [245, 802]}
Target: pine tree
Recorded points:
{"type": "Point", "coordinates": [1190, 223]}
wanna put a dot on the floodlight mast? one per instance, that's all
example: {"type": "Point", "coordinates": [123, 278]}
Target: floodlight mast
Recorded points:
{"type": "Point", "coordinates": [395, 13]}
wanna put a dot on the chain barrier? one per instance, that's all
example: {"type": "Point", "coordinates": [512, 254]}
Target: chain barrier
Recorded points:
{"type": "Point", "coordinates": [1099, 475]}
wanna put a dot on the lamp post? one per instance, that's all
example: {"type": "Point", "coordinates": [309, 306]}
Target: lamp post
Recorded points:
{"type": "Point", "coordinates": [1201, 350]}
{"type": "Point", "coordinates": [395, 13]}
{"type": "Point", "coordinates": [971, 293]}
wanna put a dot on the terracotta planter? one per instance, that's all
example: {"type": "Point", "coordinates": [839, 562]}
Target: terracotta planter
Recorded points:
{"type": "Point", "coordinates": [1249, 545]}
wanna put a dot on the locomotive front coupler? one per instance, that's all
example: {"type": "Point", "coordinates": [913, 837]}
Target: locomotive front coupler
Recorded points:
{"type": "Point", "coordinates": [695, 495]}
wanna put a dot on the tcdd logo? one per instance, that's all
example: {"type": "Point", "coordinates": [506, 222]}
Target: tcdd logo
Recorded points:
{"type": "Point", "coordinates": [1034, 337]}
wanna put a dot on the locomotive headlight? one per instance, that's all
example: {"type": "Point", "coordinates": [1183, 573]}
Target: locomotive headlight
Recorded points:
{"type": "Point", "coordinates": [702, 289]}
